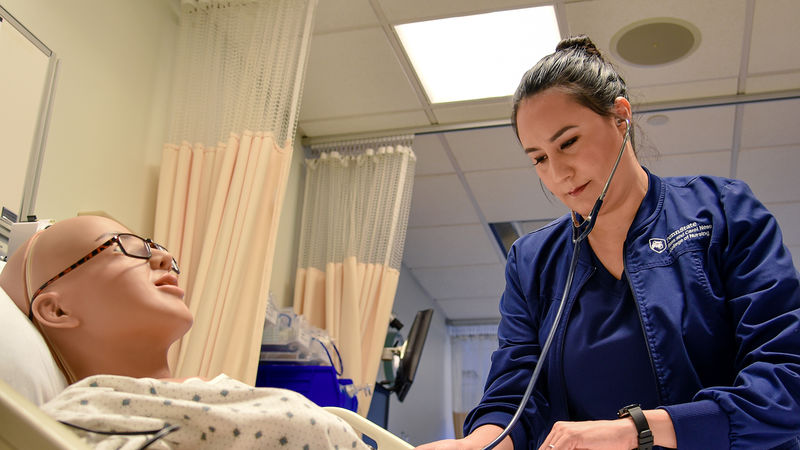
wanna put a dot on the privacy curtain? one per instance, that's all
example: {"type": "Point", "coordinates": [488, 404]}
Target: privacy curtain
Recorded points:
{"type": "Point", "coordinates": [355, 215]}
{"type": "Point", "coordinates": [471, 348]}
{"type": "Point", "coordinates": [239, 73]}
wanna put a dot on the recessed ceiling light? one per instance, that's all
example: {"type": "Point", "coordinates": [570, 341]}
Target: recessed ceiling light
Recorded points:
{"type": "Point", "coordinates": [658, 119]}
{"type": "Point", "coordinates": [656, 41]}
{"type": "Point", "coordinates": [478, 56]}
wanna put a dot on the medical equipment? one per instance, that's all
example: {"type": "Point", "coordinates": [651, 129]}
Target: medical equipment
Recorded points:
{"type": "Point", "coordinates": [580, 231]}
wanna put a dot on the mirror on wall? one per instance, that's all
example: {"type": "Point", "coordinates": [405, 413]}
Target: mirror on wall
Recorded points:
{"type": "Point", "coordinates": [27, 82]}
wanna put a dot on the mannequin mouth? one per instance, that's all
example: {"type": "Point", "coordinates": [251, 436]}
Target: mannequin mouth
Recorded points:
{"type": "Point", "coordinates": [169, 283]}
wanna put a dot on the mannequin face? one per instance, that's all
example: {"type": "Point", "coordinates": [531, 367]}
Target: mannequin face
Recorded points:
{"type": "Point", "coordinates": [573, 148]}
{"type": "Point", "coordinates": [112, 297]}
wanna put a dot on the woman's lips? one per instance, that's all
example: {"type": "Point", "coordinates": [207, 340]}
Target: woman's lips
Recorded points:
{"type": "Point", "coordinates": [578, 190]}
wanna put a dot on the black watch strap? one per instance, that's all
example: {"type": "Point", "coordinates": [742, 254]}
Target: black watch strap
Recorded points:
{"type": "Point", "coordinates": [640, 421]}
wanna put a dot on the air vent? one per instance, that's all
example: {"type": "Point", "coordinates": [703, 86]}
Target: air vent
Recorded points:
{"type": "Point", "coordinates": [655, 42]}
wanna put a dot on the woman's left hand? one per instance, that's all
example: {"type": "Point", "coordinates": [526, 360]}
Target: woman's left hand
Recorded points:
{"type": "Point", "coordinates": [595, 434]}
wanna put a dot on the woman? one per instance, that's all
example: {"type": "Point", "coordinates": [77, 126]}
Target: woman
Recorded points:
{"type": "Point", "coordinates": [684, 301]}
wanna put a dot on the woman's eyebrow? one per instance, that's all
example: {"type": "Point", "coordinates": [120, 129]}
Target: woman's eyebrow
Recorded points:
{"type": "Point", "coordinates": [555, 136]}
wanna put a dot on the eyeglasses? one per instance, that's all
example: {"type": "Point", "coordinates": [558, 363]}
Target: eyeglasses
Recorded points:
{"type": "Point", "coordinates": [130, 244]}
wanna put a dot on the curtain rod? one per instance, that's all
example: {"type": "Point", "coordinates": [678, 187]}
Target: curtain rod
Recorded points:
{"type": "Point", "coordinates": [643, 108]}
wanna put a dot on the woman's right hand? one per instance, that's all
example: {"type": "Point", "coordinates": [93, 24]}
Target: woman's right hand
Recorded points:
{"type": "Point", "coordinates": [478, 439]}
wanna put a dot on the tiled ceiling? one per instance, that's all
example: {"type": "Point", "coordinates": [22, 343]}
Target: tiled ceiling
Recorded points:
{"type": "Point", "coordinates": [730, 108]}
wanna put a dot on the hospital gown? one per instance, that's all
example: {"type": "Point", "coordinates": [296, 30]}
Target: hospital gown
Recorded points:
{"type": "Point", "coordinates": [221, 413]}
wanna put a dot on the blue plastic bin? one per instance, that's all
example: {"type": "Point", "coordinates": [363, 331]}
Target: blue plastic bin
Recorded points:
{"type": "Point", "coordinates": [320, 384]}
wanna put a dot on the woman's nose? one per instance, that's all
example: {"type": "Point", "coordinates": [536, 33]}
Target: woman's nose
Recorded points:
{"type": "Point", "coordinates": [560, 169]}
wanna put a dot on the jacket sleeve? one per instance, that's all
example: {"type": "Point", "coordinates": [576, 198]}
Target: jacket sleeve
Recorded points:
{"type": "Point", "coordinates": [512, 365]}
{"type": "Point", "coordinates": [762, 289]}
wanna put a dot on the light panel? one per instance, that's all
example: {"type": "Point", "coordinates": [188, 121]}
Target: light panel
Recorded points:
{"type": "Point", "coordinates": [478, 56]}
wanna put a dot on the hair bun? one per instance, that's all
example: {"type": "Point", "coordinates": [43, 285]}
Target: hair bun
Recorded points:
{"type": "Point", "coordinates": [579, 43]}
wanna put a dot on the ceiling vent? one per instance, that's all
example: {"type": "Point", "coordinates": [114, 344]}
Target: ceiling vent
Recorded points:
{"type": "Point", "coordinates": [655, 42]}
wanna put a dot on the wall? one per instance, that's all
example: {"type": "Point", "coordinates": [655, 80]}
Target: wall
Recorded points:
{"type": "Point", "coordinates": [285, 263]}
{"type": "Point", "coordinates": [109, 115]}
{"type": "Point", "coordinates": [426, 413]}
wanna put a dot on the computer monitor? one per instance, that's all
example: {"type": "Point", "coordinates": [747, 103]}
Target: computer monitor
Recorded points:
{"type": "Point", "coordinates": [413, 351]}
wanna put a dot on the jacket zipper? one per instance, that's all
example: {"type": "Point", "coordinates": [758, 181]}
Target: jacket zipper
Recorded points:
{"type": "Point", "coordinates": [641, 323]}
{"type": "Point", "coordinates": [563, 336]}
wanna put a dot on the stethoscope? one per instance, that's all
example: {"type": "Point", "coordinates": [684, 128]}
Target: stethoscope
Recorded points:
{"type": "Point", "coordinates": [580, 231]}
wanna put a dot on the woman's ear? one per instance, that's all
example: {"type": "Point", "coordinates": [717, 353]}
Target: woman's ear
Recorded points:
{"type": "Point", "coordinates": [622, 110]}
{"type": "Point", "coordinates": [51, 312]}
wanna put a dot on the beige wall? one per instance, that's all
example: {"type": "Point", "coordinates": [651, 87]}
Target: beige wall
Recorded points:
{"type": "Point", "coordinates": [110, 116]}
{"type": "Point", "coordinates": [288, 240]}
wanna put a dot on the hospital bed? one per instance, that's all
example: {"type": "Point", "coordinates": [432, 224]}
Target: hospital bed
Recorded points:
{"type": "Point", "coordinates": [26, 363]}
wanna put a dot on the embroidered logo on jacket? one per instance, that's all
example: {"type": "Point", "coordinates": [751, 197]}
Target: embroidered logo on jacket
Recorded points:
{"type": "Point", "coordinates": [658, 245]}
{"type": "Point", "coordinates": [688, 232]}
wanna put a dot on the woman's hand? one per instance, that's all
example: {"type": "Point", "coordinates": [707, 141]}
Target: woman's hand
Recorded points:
{"type": "Point", "coordinates": [610, 434]}
{"type": "Point", "coordinates": [478, 439]}
{"type": "Point", "coordinates": [595, 434]}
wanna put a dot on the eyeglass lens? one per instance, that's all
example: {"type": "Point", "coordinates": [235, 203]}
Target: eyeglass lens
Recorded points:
{"type": "Point", "coordinates": [138, 247]}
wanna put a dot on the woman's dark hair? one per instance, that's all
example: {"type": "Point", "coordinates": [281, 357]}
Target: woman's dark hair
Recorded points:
{"type": "Point", "coordinates": [578, 69]}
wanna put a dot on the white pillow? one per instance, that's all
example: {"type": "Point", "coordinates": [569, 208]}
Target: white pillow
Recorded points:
{"type": "Point", "coordinates": [26, 364]}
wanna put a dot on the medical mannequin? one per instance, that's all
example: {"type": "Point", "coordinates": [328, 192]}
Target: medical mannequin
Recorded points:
{"type": "Point", "coordinates": [682, 328]}
{"type": "Point", "coordinates": [111, 315]}
{"type": "Point", "coordinates": [108, 305]}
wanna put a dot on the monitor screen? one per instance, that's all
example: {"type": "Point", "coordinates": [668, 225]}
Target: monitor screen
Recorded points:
{"type": "Point", "coordinates": [410, 360]}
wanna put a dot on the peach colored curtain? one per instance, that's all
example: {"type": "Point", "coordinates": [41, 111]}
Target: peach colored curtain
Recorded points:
{"type": "Point", "coordinates": [235, 100]}
{"type": "Point", "coordinates": [355, 215]}
{"type": "Point", "coordinates": [223, 219]}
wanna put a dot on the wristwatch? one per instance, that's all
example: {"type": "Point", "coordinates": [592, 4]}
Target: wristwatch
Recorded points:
{"type": "Point", "coordinates": [642, 428]}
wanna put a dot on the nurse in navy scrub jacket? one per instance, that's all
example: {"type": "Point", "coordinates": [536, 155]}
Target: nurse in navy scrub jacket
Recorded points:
{"type": "Point", "coordinates": [682, 326]}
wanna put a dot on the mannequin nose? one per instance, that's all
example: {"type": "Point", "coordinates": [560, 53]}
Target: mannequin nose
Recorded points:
{"type": "Point", "coordinates": [161, 259]}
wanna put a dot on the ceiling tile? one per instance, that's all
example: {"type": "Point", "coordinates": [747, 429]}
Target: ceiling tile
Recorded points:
{"type": "Point", "coordinates": [771, 123]}
{"type": "Point", "coordinates": [449, 246]}
{"type": "Point", "coordinates": [474, 111]}
{"type": "Point", "coordinates": [462, 281]}
{"type": "Point", "coordinates": [788, 217]}
{"type": "Point", "coordinates": [784, 81]}
{"type": "Point", "coordinates": [512, 194]}
{"type": "Point", "coordinates": [336, 15]}
{"type": "Point", "coordinates": [713, 163]}
{"type": "Point", "coordinates": [487, 148]}
{"type": "Point", "coordinates": [354, 73]}
{"type": "Point", "coordinates": [717, 56]}
{"type": "Point", "coordinates": [657, 93]}
{"type": "Point", "coordinates": [795, 251]}
{"type": "Point", "coordinates": [471, 308]}
{"type": "Point", "coordinates": [440, 200]}
{"type": "Point", "coordinates": [771, 173]}
{"type": "Point", "coordinates": [774, 23]}
{"type": "Point", "coordinates": [431, 155]}
{"type": "Point", "coordinates": [681, 133]}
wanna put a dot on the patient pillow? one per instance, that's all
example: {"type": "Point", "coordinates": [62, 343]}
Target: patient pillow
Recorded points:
{"type": "Point", "coordinates": [27, 364]}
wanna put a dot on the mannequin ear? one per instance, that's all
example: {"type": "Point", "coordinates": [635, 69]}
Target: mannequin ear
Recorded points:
{"type": "Point", "coordinates": [50, 311]}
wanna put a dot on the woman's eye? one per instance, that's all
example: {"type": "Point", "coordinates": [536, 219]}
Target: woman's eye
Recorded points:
{"type": "Point", "coordinates": [568, 142]}
{"type": "Point", "coordinates": [538, 159]}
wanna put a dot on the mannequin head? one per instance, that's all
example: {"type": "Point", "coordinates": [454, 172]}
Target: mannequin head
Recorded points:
{"type": "Point", "coordinates": [113, 313]}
